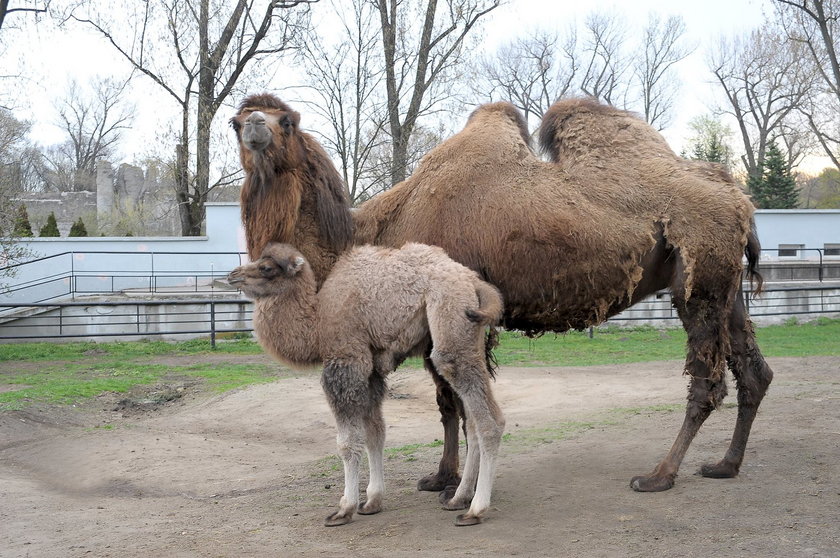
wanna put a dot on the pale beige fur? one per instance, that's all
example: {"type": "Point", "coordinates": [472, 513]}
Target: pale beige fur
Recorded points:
{"type": "Point", "coordinates": [377, 307]}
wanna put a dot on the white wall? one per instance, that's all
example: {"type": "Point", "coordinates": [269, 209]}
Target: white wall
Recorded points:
{"type": "Point", "coordinates": [217, 253]}
{"type": "Point", "coordinates": [813, 228]}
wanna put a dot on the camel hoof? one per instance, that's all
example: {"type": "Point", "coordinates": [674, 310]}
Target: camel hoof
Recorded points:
{"type": "Point", "coordinates": [447, 493]}
{"type": "Point", "coordinates": [453, 504]}
{"type": "Point", "coordinates": [338, 518]}
{"type": "Point", "coordinates": [369, 508]}
{"type": "Point", "coordinates": [437, 482]}
{"type": "Point", "coordinates": [722, 470]}
{"type": "Point", "coordinates": [652, 483]}
{"type": "Point", "coordinates": [465, 520]}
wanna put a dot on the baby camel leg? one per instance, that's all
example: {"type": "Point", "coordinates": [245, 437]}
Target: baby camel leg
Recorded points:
{"type": "Point", "coordinates": [375, 442]}
{"type": "Point", "coordinates": [486, 419]}
{"type": "Point", "coordinates": [346, 387]}
{"type": "Point", "coordinates": [485, 425]}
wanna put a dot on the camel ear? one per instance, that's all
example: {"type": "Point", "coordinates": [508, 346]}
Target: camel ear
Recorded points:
{"type": "Point", "coordinates": [289, 121]}
{"type": "Point", "coordinates": [297, 265]}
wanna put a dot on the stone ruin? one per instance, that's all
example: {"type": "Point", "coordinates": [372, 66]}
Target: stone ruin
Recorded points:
{"type": "Point", "coordinates": [126, 201]}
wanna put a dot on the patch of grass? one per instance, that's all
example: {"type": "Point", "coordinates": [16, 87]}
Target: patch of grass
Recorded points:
{"type": "Point", "coordinates": [226, 377]}
{"type": "Point", "coordinates": [39, 352]}
{"type": "Point", "coordinates": [74, 371]}
{"type": "Point", "coordinates": [407, 452]}
{"type": "Point", "coordinates": [70, 383]}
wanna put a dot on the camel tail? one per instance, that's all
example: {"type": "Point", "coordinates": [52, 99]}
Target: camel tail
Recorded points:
{"type": "Point", "coordinates": [489, 312]}
{"type": "Point", "coordinates": [490, 306]}
{"type": "Point", "coordinates": [753, 251]}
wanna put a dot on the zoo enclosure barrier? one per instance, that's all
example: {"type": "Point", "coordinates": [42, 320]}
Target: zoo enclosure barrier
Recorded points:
{"type": "Point", "coordinates": [70, 274]}
{"type": "Point", "coordinates": [226, 316]}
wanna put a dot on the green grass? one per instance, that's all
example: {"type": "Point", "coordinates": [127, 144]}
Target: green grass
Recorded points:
{"type": "Point", "coordinates": [38, 352]}
{"type": "Point", "coordinates": [70, 382]}
{"type": "Point", "coordinates": [69, 372]}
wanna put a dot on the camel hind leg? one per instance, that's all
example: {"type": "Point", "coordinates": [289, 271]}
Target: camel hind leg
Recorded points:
{"type": "Point", "coordinates": [704, 317]}
{"type": "Point", "coordinates": [458, 354]}
{"type": "Point", "coordinates": [451, 412]}
{"type": "Point", "coordinates": [752, 377]}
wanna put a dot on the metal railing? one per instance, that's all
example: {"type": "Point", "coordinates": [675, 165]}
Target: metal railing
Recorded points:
{"type": "Point", "coordinates": [217, 316]}
{"type": "Point", "coordinates": [106, 272]}
{"type": "Point", "coordinates": [127, 319]}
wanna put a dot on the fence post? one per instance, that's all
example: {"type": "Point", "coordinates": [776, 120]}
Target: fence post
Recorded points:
{"type": "Point", "coordinates": [212, 324]}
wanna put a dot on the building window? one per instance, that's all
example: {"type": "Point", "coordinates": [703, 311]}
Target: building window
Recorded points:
{"type": "Point", "coordinates": [831, 249]}
{"type": "Point", "coordinates": [790, 250]}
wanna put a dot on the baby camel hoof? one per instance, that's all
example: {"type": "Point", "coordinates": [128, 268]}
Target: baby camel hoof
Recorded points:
{"type": "Point", "coordinates": [437, 482]}
{"type": "Point", "coordinates": [720, 470]}
{"type": "Point", "coordinates": [338, 518]}
{"type": "Point", "coordinates": [466, 519]}
{"type": "Point", "coordinates": [369, 508]}
{"type": "Point", "coordinates": [453, 504]}
{"type": "Point", "coordinates": [652, 483]}
{"type": "Point", "coordinates": [447, 493]}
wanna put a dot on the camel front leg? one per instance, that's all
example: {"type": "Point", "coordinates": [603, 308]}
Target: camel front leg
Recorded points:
{"type": "Point", "coordinates": [350, 443]}
{"type": "Point", "coordinates": [451, 411]}
{"type": "Point", "coordinates": [375, 443]}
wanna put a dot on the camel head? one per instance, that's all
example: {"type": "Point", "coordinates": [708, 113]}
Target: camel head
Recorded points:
{"type": "Point", "coordinates": [267, 130]}
{"type": "Point", "coordinates": [279, 268]}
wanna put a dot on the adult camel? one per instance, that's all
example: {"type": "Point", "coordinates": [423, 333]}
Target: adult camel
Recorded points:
{"type": "Point", "coordinates": [613, 217]}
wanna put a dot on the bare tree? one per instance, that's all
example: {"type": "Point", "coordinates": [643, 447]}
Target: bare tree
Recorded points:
{"type": "Point", "coordinates": [196, 52]}
{"type": "Point", "coordinates": [346, 77]}
{"type": "Point", "coordinates": [815, 26]}
{"type": "Point", "coordinates": [764, 86]}
{"type": "Point", "coordinates": [15, 150]}
{"type": "Point", "coordinates": [654, 72]}
{"type": "Point", "coordinates": [532, 72]}
{"type": "Point", "coordinates": [24, 6]}
{"type": "Point", "coordinates": [604, 62]}
{"type": "Point", "coordinates": [414, 65]}
{"type": "Point", "coordinates": [93, 124]}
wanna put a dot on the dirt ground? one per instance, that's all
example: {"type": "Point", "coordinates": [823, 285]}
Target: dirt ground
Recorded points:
{"type": "Point", "coordinates": [250, 473]}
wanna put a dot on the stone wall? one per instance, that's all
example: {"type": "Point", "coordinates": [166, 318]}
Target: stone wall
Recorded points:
{"type": "Point", "coordinates": [68, 207]}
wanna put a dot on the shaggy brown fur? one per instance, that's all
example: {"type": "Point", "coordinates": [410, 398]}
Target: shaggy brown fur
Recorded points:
{"type": "Point", "coordinates": [377, 307]}
{"type": "Point", "coordinates": [614, 217]}
{"type": "Point", "coordinates": [292, 182]}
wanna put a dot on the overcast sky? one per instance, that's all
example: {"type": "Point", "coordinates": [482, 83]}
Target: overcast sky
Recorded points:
{"type": "Point", "coordinates": [52, 58]}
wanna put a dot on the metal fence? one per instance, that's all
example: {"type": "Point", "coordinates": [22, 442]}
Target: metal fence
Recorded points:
{"type": "Point", "coordinates": [126, 319]}
{"type": "Point", "coordinates": [215, 317]}
{"type": "Point", "coordinates": [69, 274]}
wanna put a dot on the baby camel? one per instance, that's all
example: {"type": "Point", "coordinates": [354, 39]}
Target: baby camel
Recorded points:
{"type": "Point", "coordinates": [377, 307]}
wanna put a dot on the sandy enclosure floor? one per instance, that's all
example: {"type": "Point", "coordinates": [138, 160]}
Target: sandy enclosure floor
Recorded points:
{"type": "Point", "coordinates": [251, 473]}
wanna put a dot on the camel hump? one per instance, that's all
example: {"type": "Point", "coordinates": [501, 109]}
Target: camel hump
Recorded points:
{"type": "Point", "coordinates": [584, 128]}
{"type": "Point", "coordinates": [509, 111]}
{"type": "Point", "coordinates": [490, 305]}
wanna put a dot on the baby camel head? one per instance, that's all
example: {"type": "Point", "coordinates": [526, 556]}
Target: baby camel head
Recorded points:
{"type": "Point", "coordinates": [278, 269]}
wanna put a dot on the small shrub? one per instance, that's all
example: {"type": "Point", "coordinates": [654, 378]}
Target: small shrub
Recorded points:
{"type": "Point", "coordinates": [51, 228]}
{"type": "Point", "coordinates": [78, 229]}
{"type": "Point", "coordinates": [23, 228]}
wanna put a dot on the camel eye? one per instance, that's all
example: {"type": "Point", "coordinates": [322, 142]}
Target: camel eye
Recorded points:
{"type": "Point", "coordinates": [265, 269]}
{"type": "Point", "coordinates": [235, 125]}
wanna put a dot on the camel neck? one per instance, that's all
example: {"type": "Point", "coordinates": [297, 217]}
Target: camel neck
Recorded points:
{"type": "Point", "coordinates": [286, 326]}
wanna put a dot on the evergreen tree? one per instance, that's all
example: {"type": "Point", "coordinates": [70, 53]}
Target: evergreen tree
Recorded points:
{"type": "Point", "coordinates": [709, 142]}
{"type": "Point", "coordinates": [23, 228]}
{"type": "Point", "coordinates": [51, 228]}
{"type": "Point", "coordinates": [774, 187]}
{"type": "Point", "coordinates": [78, 229]}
